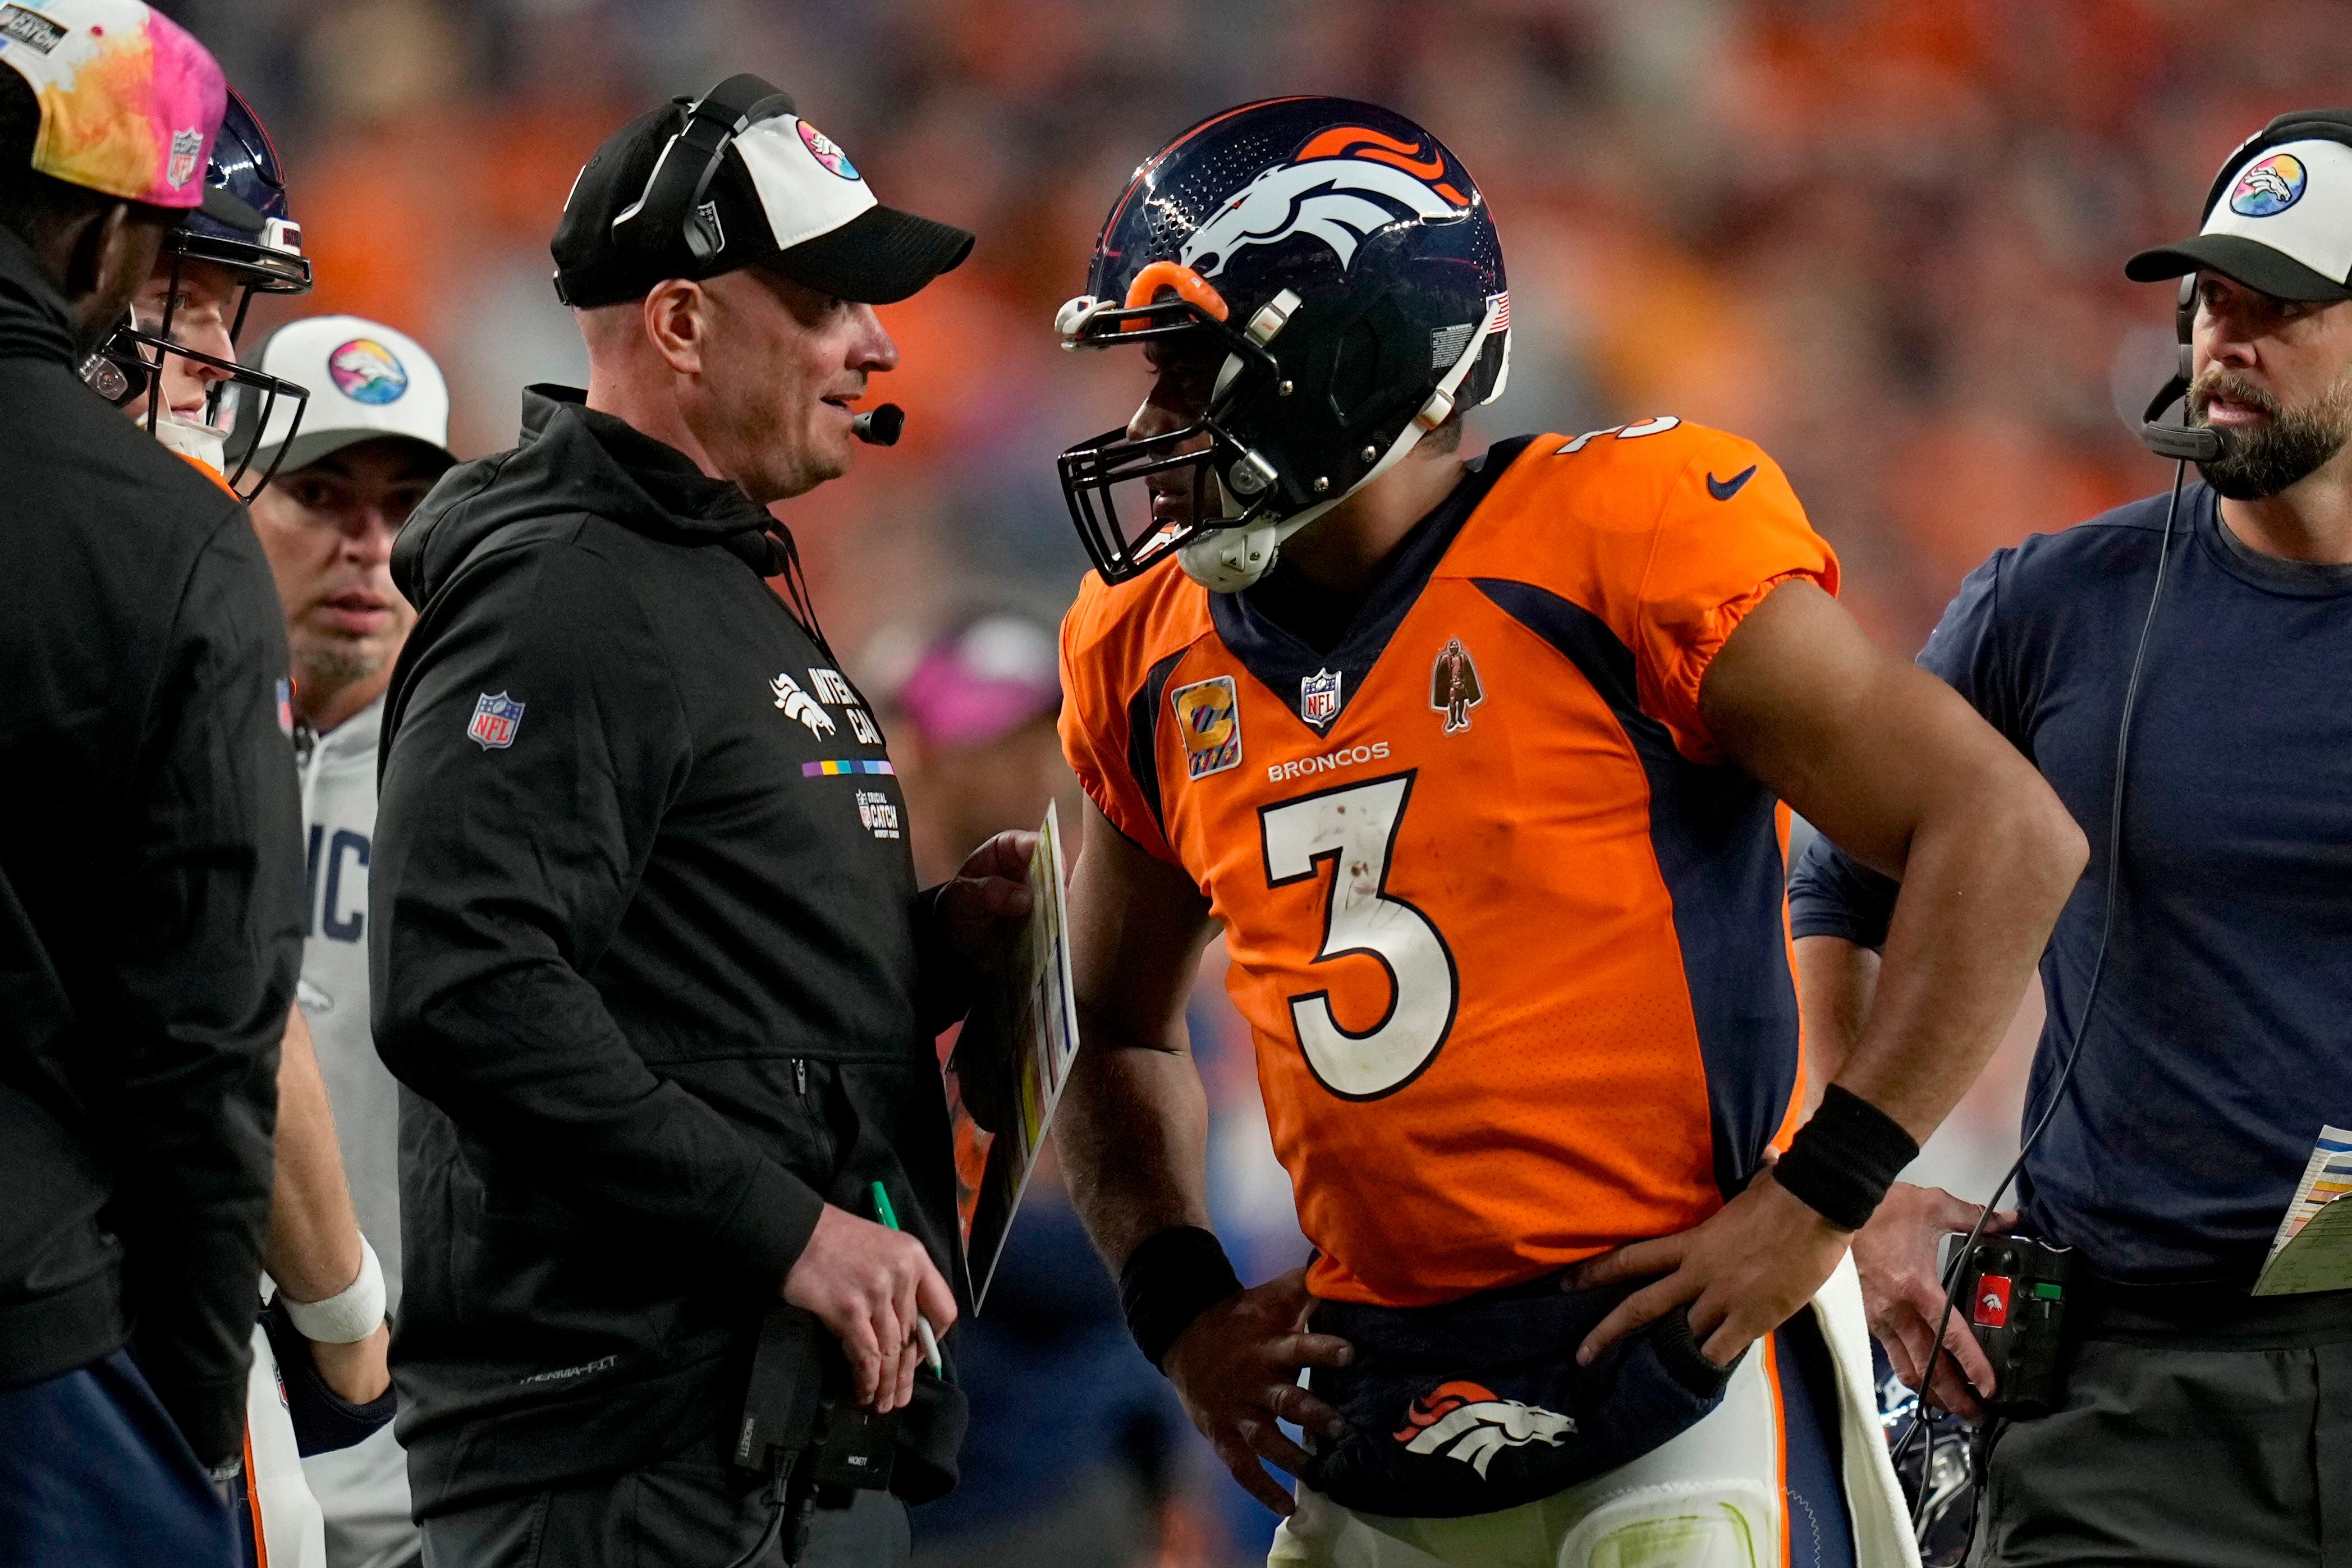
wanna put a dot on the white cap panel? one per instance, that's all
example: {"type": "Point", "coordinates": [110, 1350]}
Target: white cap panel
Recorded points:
{"type": "Point", "coordinates": [806, 183]}
{"type": "Point", "coordinates": [365, 379]}
{"type": "Point", "coordinates": [2296, 198]}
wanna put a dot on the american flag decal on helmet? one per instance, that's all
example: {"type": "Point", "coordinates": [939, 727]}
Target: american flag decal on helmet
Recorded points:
{"type": "Point", "coordinates": [1502, 312]}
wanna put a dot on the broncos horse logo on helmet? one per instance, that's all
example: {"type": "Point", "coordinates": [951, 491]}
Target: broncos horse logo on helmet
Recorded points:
{"type": "Point", "coordinates": [1345, 263]}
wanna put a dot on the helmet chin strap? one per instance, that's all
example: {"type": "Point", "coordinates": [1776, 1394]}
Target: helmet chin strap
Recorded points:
{"type": "Point", "coordinates": [1231, 559]}
{"type": "Point", "coordinates": [199, 442]}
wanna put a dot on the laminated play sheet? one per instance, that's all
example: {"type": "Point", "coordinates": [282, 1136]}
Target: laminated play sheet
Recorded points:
{"type": "Point", "coordinates": [2313, 1250]}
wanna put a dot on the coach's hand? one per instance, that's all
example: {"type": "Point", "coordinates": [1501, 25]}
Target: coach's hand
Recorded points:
{"type": "Point", "coordinates": [1742, 1272]}
{"type": "Point", "coordinates": [867, 1283]}
{"type": "Point", "coordinates": [1235, 1367]}
{"type": "Point", "coordinates": [1896, 1256]}
{"type": "Point", "coordinates": [983, 909]}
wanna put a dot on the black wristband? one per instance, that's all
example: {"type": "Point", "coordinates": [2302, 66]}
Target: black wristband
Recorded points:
{"type": "Point", "coordinates": [1843, 1161]}
{"type": "Point", "coordinates": [1171, 1279]}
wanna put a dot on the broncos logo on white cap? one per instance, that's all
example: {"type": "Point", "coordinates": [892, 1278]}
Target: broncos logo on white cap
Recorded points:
{"type": "Point", "coordinates": [1346, 184]}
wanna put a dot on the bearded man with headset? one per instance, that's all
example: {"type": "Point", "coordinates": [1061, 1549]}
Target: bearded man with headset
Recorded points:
{"type": "Point", "coordinates": [2199, 968]}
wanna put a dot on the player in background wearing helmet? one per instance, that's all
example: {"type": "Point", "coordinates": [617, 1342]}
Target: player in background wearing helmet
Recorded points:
{"type": "Point", "coordinates": [319, 1376]}
{"type": "Point", "coordinates": [373, 438]}
{"type": "Point", "coordinates": [1477, 765]}
{"type": "Point", "coordinates": [172, 362]}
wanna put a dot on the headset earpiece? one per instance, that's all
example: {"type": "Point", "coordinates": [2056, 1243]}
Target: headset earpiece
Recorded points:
{"type": "Point", "coordinates": [672, 201]}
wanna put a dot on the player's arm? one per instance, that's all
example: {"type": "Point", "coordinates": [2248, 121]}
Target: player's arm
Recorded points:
{"type": "Point", "coordinates": [1891, 763]}
{"type": "Point", "coordinates": [313, 1248]}
{"type": "Point", "coordinates": [1132, 1130]}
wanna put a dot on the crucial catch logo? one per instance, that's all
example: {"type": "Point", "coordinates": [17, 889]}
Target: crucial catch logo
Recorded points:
{"type": "Point", "coordinates": [1465, 1421]}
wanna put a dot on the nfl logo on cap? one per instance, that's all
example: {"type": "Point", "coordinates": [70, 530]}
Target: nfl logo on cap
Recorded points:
{"type": "Point", "coordinates": [495, 721]}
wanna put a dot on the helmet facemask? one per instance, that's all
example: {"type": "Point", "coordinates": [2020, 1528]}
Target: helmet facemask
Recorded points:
{"type": "Point", "coordinates": [1231, 485]}
{"type": "Point", "coordinates": [133, 361]}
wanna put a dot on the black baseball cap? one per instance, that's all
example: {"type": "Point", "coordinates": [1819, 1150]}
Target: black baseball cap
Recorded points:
{"type": "Point", "coordinates": [784, 196]}
{"type": "Point", "coordinates": [2279, 217]}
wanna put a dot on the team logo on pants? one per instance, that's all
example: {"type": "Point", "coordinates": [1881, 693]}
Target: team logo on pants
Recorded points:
{"type": "Point", "coordinates": [495, 720]}
{"type": "Point", "coordinates": [1454, 688]}
{"type": "Point", "coordinates": [1465, 1421]}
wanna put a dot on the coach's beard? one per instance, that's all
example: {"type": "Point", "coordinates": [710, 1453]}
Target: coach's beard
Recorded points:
{"type": "Point", "coordinates": [2286, 447]}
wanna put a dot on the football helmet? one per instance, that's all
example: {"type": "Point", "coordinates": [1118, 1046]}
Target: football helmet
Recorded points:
{"type": "Point", "coordinates": [131, 362]}
{"type": "Point", "coordinates": [1342, 269]}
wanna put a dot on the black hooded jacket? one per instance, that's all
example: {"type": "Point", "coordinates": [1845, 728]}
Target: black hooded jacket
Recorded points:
{"type": "Point", "coordinates": [646, 951]}
{"type": "Point", "coordinates": [151, 884]}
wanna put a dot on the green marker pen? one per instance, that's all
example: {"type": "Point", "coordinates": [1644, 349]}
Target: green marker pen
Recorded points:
{"type": "Point", "coordinates": [923, 1330]}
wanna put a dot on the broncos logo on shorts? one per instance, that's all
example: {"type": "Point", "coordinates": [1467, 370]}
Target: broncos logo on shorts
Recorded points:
{"type": "Point", "coordinates": [1465, 1421]}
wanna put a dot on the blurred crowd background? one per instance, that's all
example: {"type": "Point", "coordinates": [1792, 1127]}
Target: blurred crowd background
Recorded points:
{"type": "Point", "coordinates": [1883, 238]}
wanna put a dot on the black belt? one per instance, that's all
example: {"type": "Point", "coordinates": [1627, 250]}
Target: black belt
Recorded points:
{"type": "Point", "coordinates": [2204, 1315]}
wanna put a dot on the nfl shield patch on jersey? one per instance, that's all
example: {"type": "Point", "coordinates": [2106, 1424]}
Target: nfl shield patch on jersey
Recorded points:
{"type": "Point", "coordinates": [1209, 717]}
{"type": "Point", "coordinates": [1318, 697]}
{"type": "Point", "coordinates": [495, 722]}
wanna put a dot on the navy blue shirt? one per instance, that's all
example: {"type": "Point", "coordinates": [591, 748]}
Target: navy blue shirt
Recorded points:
{"type": "Point", "coordinates": [2222, 1037]}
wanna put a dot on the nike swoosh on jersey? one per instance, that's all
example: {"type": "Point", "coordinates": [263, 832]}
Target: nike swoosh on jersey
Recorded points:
{"type": "Point", "coordinates": [1724, 490]}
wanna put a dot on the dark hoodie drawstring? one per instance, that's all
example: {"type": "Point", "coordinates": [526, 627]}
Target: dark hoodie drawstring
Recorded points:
{"type": "Point", "coordinates": [796, 591]}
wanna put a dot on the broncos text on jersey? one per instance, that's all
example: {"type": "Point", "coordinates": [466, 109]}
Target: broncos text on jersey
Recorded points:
{"type": "Point", "coordinates": [1510, 935]}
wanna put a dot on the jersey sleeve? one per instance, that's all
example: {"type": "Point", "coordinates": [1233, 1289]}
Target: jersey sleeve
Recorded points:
{"type": "Point", "coordinates": [1729, 531]}
{"type": "Point", "coordinates": [1108, 734]}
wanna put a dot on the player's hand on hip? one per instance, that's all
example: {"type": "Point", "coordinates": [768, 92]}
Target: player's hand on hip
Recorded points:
{"type": "Point", "coordinates": [868, 1284]}
{"type": "Point", "coordinates": [983, 909]}
{"type": "Point", "coordinates": [1742, 1272]}
{"type": "Point", "coordinates": [1235, 1367]}
{"type": "Point", "coordinates": [1904, 1296]}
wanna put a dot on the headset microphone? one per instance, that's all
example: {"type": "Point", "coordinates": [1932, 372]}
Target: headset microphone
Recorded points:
{"type": "Point", "coordinates": [880, 426]}
{"type": "Point", "coordinates": [2184, 442]}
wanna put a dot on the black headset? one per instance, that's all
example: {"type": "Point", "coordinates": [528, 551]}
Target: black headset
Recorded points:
{"type": "Point", "coordinates": [2185, 442]}
{"type": "Point", "coordinates": [672, 201]}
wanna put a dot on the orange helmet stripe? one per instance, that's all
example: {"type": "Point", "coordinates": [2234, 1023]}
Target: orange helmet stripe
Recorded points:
{"type": "Point", "coordinates": [1363, 141]}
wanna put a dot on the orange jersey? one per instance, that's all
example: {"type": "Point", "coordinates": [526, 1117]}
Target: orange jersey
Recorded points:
{"type": "Point", "coordinates": [1510, 937]}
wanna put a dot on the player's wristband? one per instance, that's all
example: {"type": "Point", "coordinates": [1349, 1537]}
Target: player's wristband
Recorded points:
{"type": "Point", "coordinates": [350, 1315]}
{"type": "Point", "coordinates": [1843, 1161]}
{"type": "Point", "coordinates": [1174, 1277]}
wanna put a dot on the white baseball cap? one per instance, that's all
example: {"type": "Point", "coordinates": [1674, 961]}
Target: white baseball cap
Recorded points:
{"type": "Point", "coordinates": [2279, 219]}
{"type": "Point", "coordinates": [367, 379]}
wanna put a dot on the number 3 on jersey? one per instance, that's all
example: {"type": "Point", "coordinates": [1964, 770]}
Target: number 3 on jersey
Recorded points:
{"type": "Point", "coordinates": [1355, 827]}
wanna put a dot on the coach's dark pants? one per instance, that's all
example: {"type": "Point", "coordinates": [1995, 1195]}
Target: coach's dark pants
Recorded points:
{"type": "Point", "coordinates": [691, 1510]}
{"type": "Point", "coordinates": [2210, 1445]}
{"type": "Point", "coordinates": [92, 1470]}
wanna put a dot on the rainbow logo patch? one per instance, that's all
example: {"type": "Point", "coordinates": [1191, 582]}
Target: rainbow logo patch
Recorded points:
{"type": "Point", "coordinates": [2268, 186]}
{"type": "Point", "coordinates": [367, 372]}
{"type": "Point", "coordinates": [827, 770]}
{"type": "Point", "coordinates": [826, 151]}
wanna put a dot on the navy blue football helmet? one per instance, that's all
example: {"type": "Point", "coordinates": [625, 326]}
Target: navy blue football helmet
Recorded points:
{"type": "Point", "coordinates": [131, 364]}
{"type": "Point", "coordinates": [1343, 263]}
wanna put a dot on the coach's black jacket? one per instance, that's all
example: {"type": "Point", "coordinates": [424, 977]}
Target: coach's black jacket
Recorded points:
{"type": "Point", "coordinates": [647, 961]}
{"type": "Point", "coordinates": [150, 879]}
